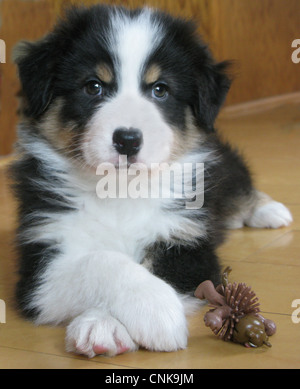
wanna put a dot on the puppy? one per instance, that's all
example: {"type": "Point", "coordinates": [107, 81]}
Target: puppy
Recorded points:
{"type": "Point", "coordinates": [123, 89]}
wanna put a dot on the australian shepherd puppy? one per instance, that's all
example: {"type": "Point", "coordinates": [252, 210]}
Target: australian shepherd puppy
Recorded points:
{"type": "Point", "coordinates": [122, 89]}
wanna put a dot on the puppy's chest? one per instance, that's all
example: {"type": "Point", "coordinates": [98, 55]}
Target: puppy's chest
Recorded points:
{"type": "Point", "coordinates": [125, 225]}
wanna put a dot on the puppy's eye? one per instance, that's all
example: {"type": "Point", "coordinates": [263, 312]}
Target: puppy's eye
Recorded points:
{"type": "Point", "coordinates": [160, 91]}
{"type": "Point", "coordinates": [93, 88]}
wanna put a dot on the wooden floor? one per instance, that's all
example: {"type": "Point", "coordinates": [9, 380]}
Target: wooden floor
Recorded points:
{"type": "Point", "coordinates": [268, 260]}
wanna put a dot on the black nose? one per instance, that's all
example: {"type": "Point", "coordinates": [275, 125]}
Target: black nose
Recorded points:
{"type": "Point", "coordinates": [127, 141]}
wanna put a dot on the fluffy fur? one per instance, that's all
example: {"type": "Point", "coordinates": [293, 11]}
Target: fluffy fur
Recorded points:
{"type": "Point", "coordinates": [118, 271]}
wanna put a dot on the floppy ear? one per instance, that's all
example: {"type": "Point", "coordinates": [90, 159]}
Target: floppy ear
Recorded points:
{"type": "Point", "coordinates": [213, 85]}
{"type": "Point", "coordinates": [35, 63]}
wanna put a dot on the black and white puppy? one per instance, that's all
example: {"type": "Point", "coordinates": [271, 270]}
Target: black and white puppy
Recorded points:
{"type": "Point", "coordinates": [109, 82]}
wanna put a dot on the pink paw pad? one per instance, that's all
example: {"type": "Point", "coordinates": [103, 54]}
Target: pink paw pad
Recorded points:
{"type": "Point", "coordinates": [98, 349]}
{"type": "Point", "coordinates": [122, 349]}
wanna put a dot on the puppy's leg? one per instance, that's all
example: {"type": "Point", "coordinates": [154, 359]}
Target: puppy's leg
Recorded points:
{"type": "Point", "coordinates": [267, 213]}
{"type": "Point", "coordinates": [261, 211]}
{"type": "Point", "coordinates": [238, 202]}
{"type": "Point", "coordinates": [114, 304]}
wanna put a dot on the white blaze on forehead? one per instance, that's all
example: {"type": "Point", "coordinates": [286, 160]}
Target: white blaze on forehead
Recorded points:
{"type": "Point", "coordinates": [134, 40]}
{"type": "Point", "coordinates": [131, 40]}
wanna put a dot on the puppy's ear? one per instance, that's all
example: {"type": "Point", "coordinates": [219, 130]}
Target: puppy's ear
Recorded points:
{"type": "Point", "coordinates": [213, 85]}
{"type": "Point", "coordinates": [35, 63]}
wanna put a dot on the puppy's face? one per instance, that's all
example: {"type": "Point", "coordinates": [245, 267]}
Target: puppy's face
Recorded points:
{"type": "Point", "coordinates": [109, 82]}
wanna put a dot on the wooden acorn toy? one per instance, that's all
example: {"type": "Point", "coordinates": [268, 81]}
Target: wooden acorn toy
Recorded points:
{"type": "Point", "coordinates": [235, 313]}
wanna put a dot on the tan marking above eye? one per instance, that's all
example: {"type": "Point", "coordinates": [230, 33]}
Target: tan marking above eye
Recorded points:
{"type": "Point", "coordinates": [152, 74]}
{"type": "Point", "coordinates": [104, 73]}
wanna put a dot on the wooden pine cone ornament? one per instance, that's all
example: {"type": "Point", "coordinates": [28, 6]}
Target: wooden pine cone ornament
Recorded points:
{"type": "Point", "coordinates": [235, 313]}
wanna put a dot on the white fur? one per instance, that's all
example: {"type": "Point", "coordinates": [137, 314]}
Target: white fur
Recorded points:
{"type": "Point", "coordinates": [150, 310]}
{"type": "Point", "coordinates": [133, 41]}
{"type": "Point", "coordinates": [94, 332]}
{"type": "Point", "coordinates": [96, 281]}
{"type": "Point", "coordinates": [134, 111]}
{"type": "Point", "coordinates": [270, 215]}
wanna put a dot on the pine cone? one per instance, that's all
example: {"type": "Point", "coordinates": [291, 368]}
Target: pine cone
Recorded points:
{"type": "Point", "coordinates": [242, 301]}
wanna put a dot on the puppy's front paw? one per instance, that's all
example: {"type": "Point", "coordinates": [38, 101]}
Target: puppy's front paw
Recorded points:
{"type": "Point", "coordinates": [270, 215]}
{"type": "Point", "coordinates": [155, 318]}
{"type": "Point", "coordinates": [94, 333]}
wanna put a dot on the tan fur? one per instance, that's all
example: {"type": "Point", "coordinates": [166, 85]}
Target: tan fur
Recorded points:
{"type": "Point", "coordinates": [105, 73]}
{"type": "Point", "coordinates": [152, 74]}
{"type": "Point", "coordinates": [188, 141]}
{"type": "Point", "coordinates": [61, 137]}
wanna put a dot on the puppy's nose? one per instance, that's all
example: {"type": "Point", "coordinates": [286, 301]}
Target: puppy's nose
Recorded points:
{"type": "Point", "coordinates": [127, 141]}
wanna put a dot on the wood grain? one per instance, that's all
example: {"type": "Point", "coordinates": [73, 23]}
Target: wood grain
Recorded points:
{"type": "Point", "coordinates": [256, 34]}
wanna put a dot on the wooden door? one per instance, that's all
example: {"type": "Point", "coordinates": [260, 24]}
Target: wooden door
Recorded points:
{"type": "Point", "coordinates": [256, 34]}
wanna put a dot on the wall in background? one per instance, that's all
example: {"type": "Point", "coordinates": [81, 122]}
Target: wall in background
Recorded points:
{"type": "Point", "coordinates": [256, 34]}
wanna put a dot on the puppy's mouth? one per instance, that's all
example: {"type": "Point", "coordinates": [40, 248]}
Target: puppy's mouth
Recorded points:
{"type": "Point", "coordinates": [125, 161]}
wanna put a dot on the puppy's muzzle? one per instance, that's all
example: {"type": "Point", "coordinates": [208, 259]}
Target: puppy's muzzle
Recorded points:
{"type": "Point", "coordinates": [127, 141]}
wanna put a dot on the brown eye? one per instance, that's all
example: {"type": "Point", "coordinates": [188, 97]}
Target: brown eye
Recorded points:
{"type": "Point", "coordinates": [160, 91]}
{"type": "Point", "coordinates": [93, 88]}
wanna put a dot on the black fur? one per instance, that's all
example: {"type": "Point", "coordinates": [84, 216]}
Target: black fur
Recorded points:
{"type": "Point", "coordinates": [31, 186]}
{"type": "Point", "coordinates": [184, 266]}
{"type": "Point", "coordinates": [197, 80]}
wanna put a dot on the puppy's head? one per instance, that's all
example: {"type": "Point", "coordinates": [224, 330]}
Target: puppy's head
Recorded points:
{"type": "Point", "coordinates": [108, 82]}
